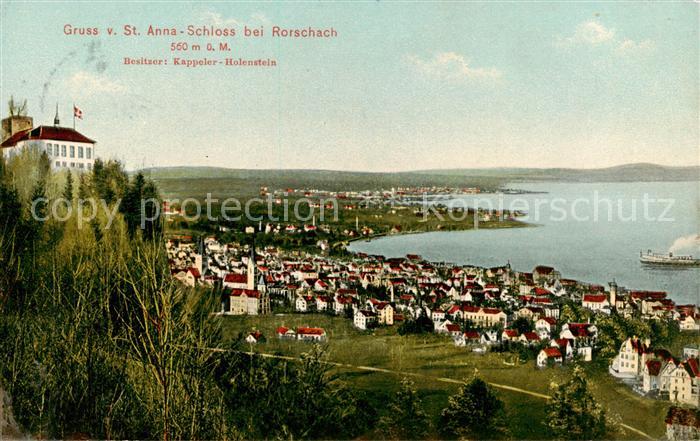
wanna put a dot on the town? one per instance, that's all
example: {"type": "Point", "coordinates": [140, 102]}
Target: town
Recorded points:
{"type": "Point", "coordinates": [480, 309]}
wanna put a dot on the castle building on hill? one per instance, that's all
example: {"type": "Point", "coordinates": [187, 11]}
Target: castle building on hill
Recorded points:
{"type": "Point", "coordinates": [67, 148]}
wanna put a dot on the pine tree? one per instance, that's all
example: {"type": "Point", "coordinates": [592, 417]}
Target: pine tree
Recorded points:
{"type": "Point", "coordinates": [10, 208]}
{"type": "Point", "coordinates": [151, 211]}
{"type": "Point", "coordinates": [83, 187]}
{"type": "Point", "coordinates": [131, 204]}
{"type": "Point", "coordinates": [406, 418]}
{"type": "Point", "coordinates": [573, 412]}
{"type": "Point", "coordinates": [474, 411]}
{"type": "Point", "coordinates": [68, 190]}
{"type": "Point", "coordinates": [38, 202]}
{"type": "Point", "coordinates": [44, 166]}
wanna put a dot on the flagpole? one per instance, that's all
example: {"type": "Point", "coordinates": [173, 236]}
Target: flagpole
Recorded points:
{"type": "Point", "coordinates": [73, 116]}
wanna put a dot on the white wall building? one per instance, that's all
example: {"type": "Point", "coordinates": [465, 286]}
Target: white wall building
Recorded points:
{"type": "Point", "coordinates": [66, 148]}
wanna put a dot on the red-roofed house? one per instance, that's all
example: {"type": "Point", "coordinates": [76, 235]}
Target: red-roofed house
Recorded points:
{"type": "Point", "coordinates": [244, 302]}
{"type": "Point", "coordinates": [682, 424]}
{"type": "Point", "coordinates": [255, 337]}
{"type": "Point", "coordinates": [284, 332]}
{"type": "Point", "coordinates": [549, 356]}
{"type": "Point", "coordinates": [236, 281]}
{"type": "Point", "coordinates": [453, 329]}
{"type": "Point", "coordinates": [311, 334]}
{"type": "Point", "coordinates": [189, 276]}
{"type": "Point", "coordinates": [530, 338]}
{"type": "Point", "coordinates": [509, 335]}
{"type": "Point", "coordinates": [595, 302]}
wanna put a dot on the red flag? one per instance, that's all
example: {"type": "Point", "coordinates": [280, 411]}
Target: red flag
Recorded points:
{"type": "Point", "coordinates": [77, 112]}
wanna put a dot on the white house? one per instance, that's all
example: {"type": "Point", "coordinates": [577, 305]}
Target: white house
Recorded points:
{"type": "Point", "coordinates": [254, 337]}
{"type": "Point", "coordinates": [385, 313]}
{"type": "Point", "coordinates": [689, 323]}
{"type": "Point", "coordinates": [650, 376]}
{"type": "Point", "coordinates": [304, 303]}
{"type": "Point", "coordinates": [691, 351]}
{"type": "Point", "coordinates": [632, 357]}
{"type": "Point", "coordinates": [364, 318]}
{"type": "Point", "coordinates": [682, 380]}
{"type": "Point", "coordinates": [545, 327]}
{"type": "Point", "coordinates": [548, 355]}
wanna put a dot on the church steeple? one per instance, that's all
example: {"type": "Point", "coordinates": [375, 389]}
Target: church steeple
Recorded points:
{"type": "Point", "coordinates": [251, 266]}
{"type": "Point", "coordinates": [56, 122]}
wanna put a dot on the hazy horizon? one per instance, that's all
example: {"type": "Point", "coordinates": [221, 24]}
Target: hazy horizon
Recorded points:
{"type": "Point", "coordinates": [425, 170]}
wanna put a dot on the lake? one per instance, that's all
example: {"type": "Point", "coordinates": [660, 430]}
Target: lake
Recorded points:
{"type": "Point", "coordinates": [591, 232]}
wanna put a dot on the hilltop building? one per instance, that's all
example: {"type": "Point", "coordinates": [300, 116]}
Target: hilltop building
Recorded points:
{"type": "Point", "coordinates": [67, 148]}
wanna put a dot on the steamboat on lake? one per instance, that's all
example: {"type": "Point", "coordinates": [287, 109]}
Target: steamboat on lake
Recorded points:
{"type": "Point", "coordinates": [667, 259]}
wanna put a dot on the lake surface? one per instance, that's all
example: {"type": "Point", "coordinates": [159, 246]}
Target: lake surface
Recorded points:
{"type": "Point", "coordinates": [592, 232]}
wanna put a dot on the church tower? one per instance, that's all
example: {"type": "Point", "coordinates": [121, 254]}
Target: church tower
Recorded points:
{"type": "Point", "coordinates": [613, 294]}
{"type": "Point", "coordinates": [251, 268]}
{"type": "Point", "coordinates": [263, 296]}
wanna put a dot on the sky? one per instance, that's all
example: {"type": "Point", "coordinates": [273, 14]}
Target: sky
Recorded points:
{"type": "Point", "coordinates": [404, 86]}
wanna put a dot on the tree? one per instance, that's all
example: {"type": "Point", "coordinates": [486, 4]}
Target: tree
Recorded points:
{"type": "Point", "coordinates": [406, 418]}
{"type": "Point", "coordinates": [140, 208]}
{"type": "Point", "coordinates": [276, 399]}
{"type": "Point", "coordinates": [39, 206]}
{"type": "Point", "coordinates": [522, 324]}
{"type": "Point", "coordinates": [613, 329]}
{"type": "Point", "coordinates": [68, 189]}
{"type": "Point", "coordinates": [421, 325]}
{"type": "Point", "coordinates": [17, 109]}
{"type": "Point", "coordinates": [83, 187]}
{"type": "Point", "coordinates": [474, 411]}
{"type": "Point", "coordinates": [573, 413]}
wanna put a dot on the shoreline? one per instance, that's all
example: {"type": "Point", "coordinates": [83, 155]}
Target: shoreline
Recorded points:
{"type": "Point", "coordinates": [407, 233]}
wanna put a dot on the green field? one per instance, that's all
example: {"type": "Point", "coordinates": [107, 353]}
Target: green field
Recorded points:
{"type": "Point", "coordinates": [377, 219]}
{"type": "Point", "coordinates": [431, 358]}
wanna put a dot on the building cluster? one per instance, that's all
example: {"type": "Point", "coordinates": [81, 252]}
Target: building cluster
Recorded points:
{"type": "Point", "coordinates": [378, 195]}
{"type": "Point", "coordinates": [657, 373]}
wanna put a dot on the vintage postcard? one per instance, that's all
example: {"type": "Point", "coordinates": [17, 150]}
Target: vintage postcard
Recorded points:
{"type": "Point", "coordinates": [404, 220]}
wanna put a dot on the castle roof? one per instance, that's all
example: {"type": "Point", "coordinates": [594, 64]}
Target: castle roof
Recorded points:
{"type": "Point", "coordinates": [53, 133]}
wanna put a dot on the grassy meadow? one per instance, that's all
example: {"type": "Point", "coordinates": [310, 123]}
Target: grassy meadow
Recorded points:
{"type": "Point", "coordinates": [431, 359]}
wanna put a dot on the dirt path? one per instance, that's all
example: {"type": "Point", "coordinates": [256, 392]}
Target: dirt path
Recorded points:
{"type": "Point", "coordinates": [440, 379]}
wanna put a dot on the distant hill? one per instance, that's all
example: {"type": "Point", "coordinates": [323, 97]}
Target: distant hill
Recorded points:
{"type": "Point", "coordinates": [640, 172]}
{"type": "Point", "coordinates": [485, 176]}
{"type": "Point", "coordinates": [217, 180]}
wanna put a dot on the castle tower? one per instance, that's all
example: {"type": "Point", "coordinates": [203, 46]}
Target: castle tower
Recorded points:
{"type": "Point", "coordinates": [17, 121]}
